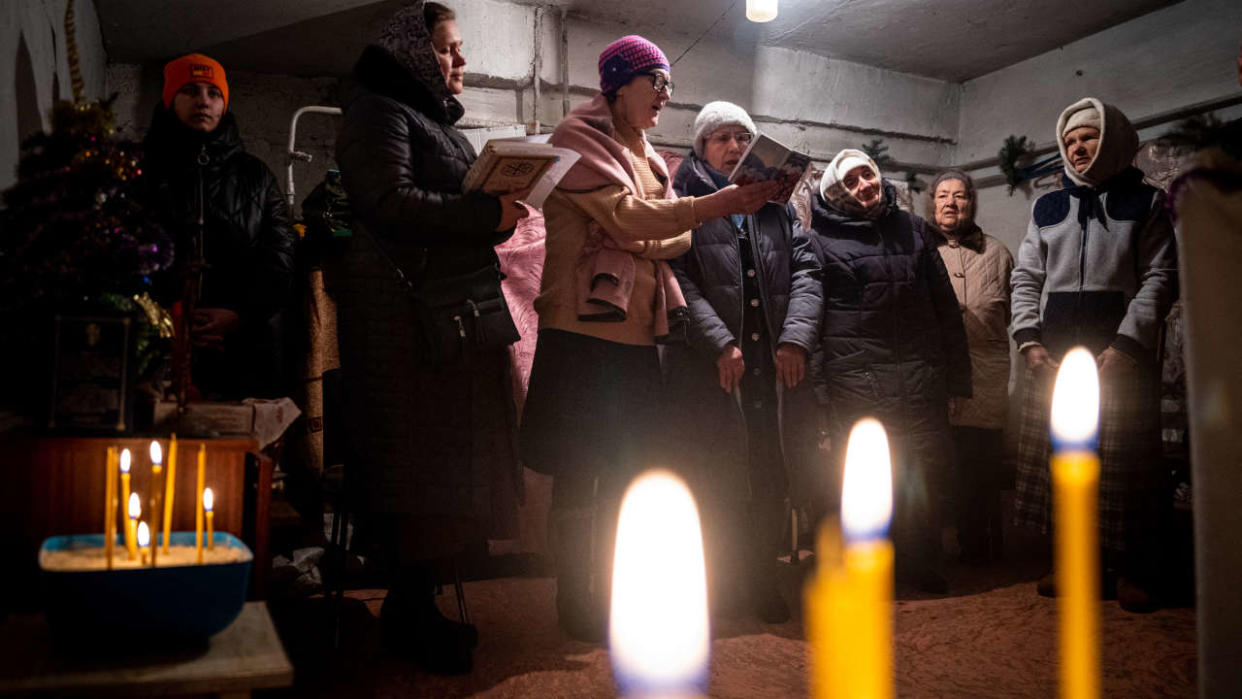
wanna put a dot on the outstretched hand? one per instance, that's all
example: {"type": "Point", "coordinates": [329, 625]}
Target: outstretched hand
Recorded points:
{"type": "Point", "coordinates": [747, 199]}
{"type": "Point", "coordinates": [735, 199]}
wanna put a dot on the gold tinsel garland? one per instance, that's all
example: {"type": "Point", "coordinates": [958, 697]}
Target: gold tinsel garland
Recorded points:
{"type": "Point", "coordinates": [71, 48]}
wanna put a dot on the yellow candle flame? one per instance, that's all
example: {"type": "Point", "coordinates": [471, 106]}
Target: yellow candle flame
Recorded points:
{"type": "Point", "coordinates": [157, 454]}
{"type": "Point", "coordinates": [867, 488]}
{"type": "Point", "coordinates": [144, 535]}
{"type": "Point", "coordinates": [135, 506]}
{"type": "Point", "coordinates": [659, 634]}
{"type": "Point", "coordinates": [209, 499]}
{"type": "Point", "coordinates": [125, 461]}
{"type": "Point", "coordinates": [1076, 399]}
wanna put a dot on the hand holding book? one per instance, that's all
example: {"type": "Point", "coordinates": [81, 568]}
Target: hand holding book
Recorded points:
{"type": "Point", "coordinates": [507, 166]}
{"type": "Point", "coordinates": [736, 199]}
{"type": "Point", "coordinates": [510, 210]}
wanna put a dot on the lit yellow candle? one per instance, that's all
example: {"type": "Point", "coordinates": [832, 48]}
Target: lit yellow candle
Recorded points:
{"type": "Point", "coordinates": [198, 510]}
{"type": "Point", "coordinates": [144, 539]}
{"type": "Point", "coordinates": [850, 599]}
{"type": "Point", "coordinates": [659, 636]}
{"type": "Point", "coordinates": [209, 501]}
{"type": "Point", "coordinates": [170, 489]}
{"type": "Point", "coordinates": [1076, 479]}
{"type": "Point", "coordinates": [157, 495]}
{"type": "Point", "coordinates": [827, 615]}
{"type": "Point", "coordinates": [109, 530]}
{"type": "Point", "coordinates": [866, 509]}
{"type": "Point", "coordinates": [131, 527]}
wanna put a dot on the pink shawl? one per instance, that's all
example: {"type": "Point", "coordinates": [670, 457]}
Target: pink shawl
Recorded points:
{"type": "Point", "coordinates": [606, 267]}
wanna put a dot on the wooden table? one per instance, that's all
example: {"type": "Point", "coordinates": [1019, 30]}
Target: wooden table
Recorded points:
{"type": "Point", "coordinates": [51, 486]}
{"type": "Point", "coordinates": [246, 656]}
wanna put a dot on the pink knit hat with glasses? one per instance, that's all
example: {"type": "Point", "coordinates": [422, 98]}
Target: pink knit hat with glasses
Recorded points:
{"type": "Point", "coordinates": [625, 58]}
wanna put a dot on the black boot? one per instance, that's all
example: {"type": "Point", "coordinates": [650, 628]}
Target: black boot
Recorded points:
{"type": "Point", "coordinates": [576, 611]}
{"type": "Point", "coordinates": [412, 627]}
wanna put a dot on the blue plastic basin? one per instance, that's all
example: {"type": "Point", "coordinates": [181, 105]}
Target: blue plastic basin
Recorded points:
{"type": "Point", "coordinates": [149, 605]}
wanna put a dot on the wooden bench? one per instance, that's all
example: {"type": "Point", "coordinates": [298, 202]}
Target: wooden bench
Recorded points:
{"type": "Point", "coordinates": [244, 657]}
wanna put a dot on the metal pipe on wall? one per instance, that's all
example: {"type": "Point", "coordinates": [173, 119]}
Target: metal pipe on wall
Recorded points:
{"type": "Point", "coordinates": [537, 69]}
{"type": "Point", "coordinates": [564, 61]}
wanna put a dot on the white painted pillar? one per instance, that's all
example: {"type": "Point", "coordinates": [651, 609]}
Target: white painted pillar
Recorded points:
{"type": "Point", "coordinates": [1211, 259]}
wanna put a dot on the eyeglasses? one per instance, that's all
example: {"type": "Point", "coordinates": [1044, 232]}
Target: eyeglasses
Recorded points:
{"type": "Point", "coordinates": [743, 138]}
{"type": "Point", "coordinates": [659, 83]}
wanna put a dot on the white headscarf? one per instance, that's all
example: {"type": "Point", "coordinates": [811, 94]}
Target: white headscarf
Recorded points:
{"type": "Point", "coordinates": [1118, 140]}
{"type": "Point", "coordinates": [832, 184]}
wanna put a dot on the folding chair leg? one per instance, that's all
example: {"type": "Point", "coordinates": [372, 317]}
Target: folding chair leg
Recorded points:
{"type": "Point", "coordinates": [462, 612]}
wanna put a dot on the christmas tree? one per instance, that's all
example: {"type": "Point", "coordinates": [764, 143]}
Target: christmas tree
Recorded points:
{"type": "Point", "coordinates": [75, 226]}
{"type": "Point", "coordinates": [75, 235]}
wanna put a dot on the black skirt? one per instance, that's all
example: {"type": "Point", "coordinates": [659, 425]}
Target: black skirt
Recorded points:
{"type": "Point", "coordinates": [592, 417]}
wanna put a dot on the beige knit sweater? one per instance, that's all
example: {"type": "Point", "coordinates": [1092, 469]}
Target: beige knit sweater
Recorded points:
{"type": "Point", "coordinates": [662, 225]}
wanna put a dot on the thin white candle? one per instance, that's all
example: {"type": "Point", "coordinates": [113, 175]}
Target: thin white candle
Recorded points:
{"type": "Point", "coordinates": [659, 633]}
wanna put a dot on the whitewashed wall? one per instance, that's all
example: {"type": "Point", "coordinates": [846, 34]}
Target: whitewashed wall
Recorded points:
{"type": "Point", "coordinates": [1168, 60]}
{"type": "Point", "coordinates": [34, 68]}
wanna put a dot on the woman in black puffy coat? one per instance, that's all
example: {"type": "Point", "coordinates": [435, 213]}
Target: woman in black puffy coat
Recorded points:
{"type": "Point", "coordinates": [741, 407]}
{"type": "Point", "coordinates": [198, 174]}
{"type": "Point", "coordinates": [892, 346]}
{"type": "Point", "coordinates": [433, 442]}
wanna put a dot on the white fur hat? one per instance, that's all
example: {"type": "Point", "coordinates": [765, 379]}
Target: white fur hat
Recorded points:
{"type": "Point", "coordinates": [715, 115]}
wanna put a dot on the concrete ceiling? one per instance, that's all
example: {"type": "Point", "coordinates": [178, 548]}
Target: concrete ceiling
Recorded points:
{"type": "Point", "coordinates": [947, 39]}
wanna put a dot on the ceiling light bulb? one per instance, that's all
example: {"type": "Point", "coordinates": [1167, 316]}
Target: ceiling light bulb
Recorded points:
{"type": "Point", "coordinates": [761, 10]}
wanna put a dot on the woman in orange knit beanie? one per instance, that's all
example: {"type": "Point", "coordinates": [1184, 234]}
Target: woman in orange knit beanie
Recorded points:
{"type": "Point", "coordinates": [223, 207]}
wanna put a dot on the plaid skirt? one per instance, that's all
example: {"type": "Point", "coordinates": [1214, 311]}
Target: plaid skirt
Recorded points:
{"type": "Point", "coordinates": [1133, 499]}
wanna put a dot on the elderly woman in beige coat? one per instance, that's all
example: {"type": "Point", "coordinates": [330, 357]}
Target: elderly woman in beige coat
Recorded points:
{"type": "Point", "coordinates": [979, 267]}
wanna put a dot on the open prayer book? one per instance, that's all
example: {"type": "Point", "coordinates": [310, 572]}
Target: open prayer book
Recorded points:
{"type": "Point", "coordinates": [767, 159]}
{"type": "Point", "coordinates": [507, 165]}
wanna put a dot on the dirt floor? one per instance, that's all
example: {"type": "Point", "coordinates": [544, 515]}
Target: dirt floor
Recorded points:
{"type": "Point", "coordinates": [991, 637]}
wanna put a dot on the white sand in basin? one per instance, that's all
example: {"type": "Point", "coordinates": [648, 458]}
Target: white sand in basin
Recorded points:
{"type": "Point", "coordinates": [95, 558]}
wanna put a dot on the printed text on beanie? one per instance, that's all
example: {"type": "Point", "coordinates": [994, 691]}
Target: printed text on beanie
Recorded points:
{"type": "Point", "coordinates": [193, 68]}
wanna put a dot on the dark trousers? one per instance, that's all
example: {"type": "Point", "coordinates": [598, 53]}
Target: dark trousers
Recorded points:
{"type": "Point", "coordinates": [742, 538]}
{"type": "Point", "coordinates": [918, 492]}
{"type": "Point", "coordinates": [978, 474]}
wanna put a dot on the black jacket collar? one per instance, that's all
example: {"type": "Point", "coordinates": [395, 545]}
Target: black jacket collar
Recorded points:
{"type": "Point", "coordinates": [823, 212]}
{"type": "Point", "coordinates": [693, 178]}
{"type": "Point", "coordinates": [171, 144]}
